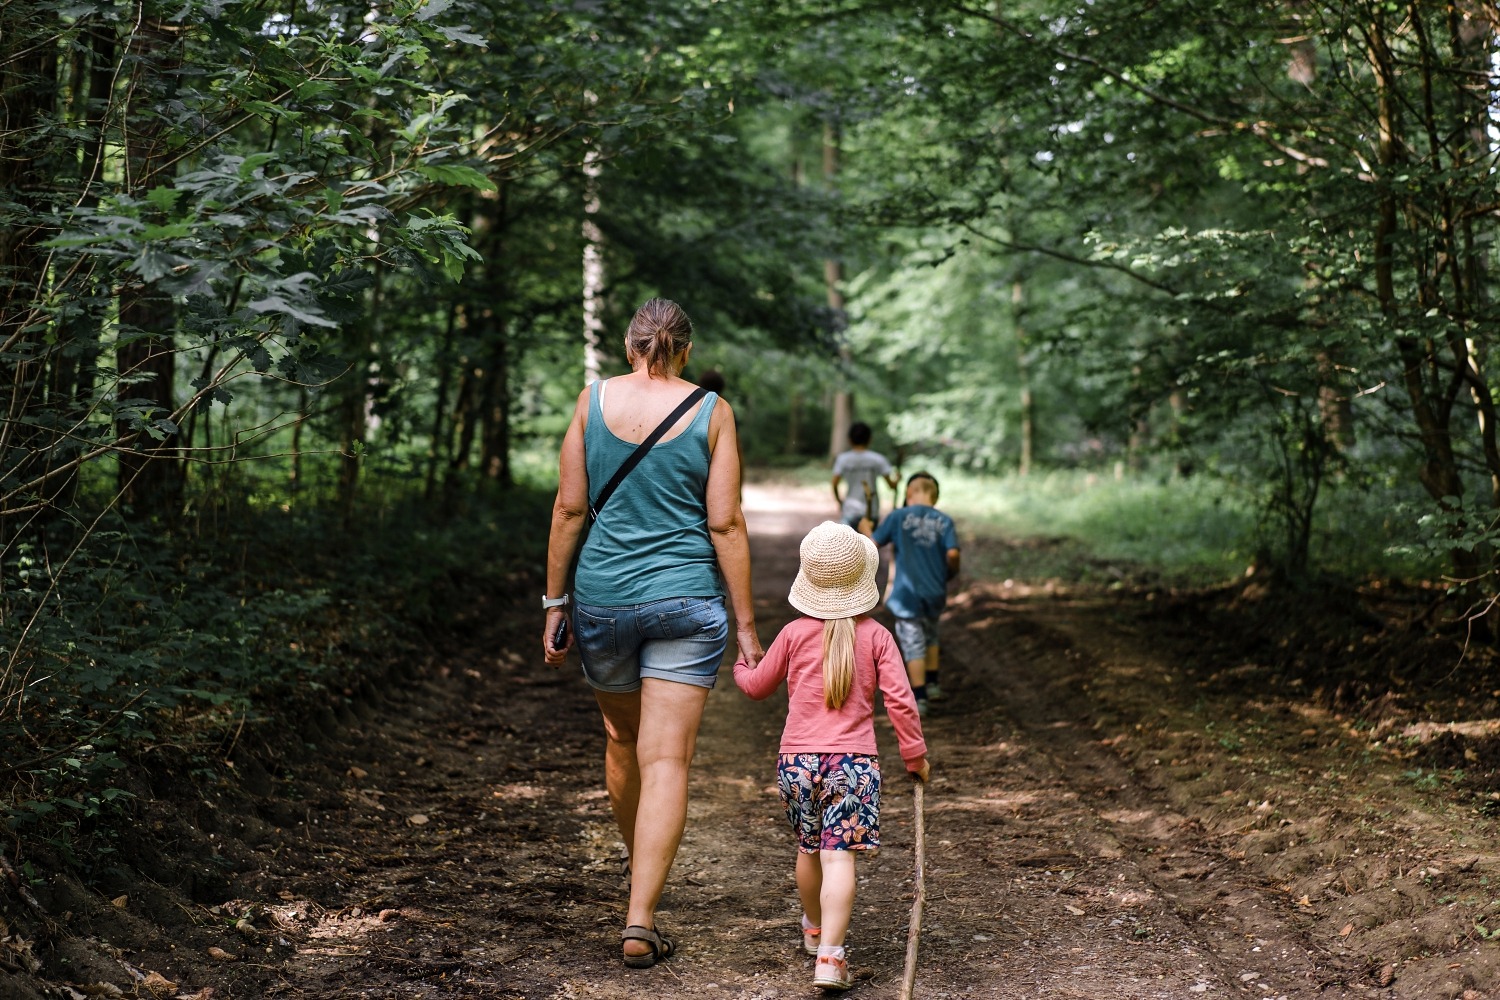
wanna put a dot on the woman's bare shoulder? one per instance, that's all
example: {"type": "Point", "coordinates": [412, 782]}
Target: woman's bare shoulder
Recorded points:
{"type": "Point", "coordinates": [581, 404]}
{"type": "Point", "coordinates": [722, 410]}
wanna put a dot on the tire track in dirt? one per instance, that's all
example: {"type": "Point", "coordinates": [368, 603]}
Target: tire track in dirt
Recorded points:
{"type": "Point", "coordinates": [1142, 867]}
{"type": "Point", "coordinates": [1283, 834]}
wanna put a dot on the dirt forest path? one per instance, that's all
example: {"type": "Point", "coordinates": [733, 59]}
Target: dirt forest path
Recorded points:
{"type": "Point", "coordinates": [1103, 824]}
{"type": "Point", "coordinates": [1035, 870]}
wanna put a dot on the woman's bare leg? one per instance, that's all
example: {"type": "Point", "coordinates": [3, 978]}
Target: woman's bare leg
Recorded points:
{"type": "Point", "coordinates": [667, 735]}
{"type": "Point", "coordinates": [622, 774]}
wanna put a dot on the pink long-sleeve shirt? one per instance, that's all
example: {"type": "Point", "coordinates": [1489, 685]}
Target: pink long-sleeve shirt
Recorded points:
{"type": "Point", "coordinates": [811, 727]}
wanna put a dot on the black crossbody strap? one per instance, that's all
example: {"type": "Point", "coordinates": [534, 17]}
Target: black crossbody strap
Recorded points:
{"type": "Point", "coordinates": [597, 504]}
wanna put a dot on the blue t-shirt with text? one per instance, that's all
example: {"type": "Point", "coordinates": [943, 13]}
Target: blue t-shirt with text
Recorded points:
{"type": "Point", "coordinates": [922, 536]}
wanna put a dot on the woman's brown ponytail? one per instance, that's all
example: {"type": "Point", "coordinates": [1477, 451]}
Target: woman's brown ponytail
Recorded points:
{"type": "Point", "coordinates": [658, 332]}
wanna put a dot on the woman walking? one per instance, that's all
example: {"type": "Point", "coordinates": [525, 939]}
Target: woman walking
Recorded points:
{"type": "Point", "coordinates": [647, 609]}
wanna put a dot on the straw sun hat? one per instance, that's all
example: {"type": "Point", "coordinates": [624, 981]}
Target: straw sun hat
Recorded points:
{"type": "Point", "coordinates": [837, 578]}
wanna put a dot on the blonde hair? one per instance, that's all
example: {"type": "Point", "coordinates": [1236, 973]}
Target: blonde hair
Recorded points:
{"type": "Point", "coordinates": [838, 660]}
{"type": "Point", "coordinates": [658, 331]}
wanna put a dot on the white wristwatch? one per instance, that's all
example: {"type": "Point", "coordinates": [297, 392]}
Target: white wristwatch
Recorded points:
{"type": "Point", "coordinates": [555, 602]}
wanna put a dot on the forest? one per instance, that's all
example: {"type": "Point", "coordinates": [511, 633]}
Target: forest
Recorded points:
{"type": "Point", "coordinates": [296, 297]}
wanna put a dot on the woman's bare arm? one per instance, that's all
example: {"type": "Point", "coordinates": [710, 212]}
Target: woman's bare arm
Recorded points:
{"type": "Point", "coordinates": [726, 526]}
{"type": "Point", "coordinates": [569, 515]}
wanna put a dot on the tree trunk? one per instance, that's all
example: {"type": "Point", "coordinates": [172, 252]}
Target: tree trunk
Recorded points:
{"type": "Point", "coordinates": [1471, 46]}
{"type": "Point", "coordinates": [495, 407]}
{"type": "Point", "coordinates": [842, 404]}
{"type": "Point", "coordinates": [1138, 442]}
{"type": "Point", "coordinates": [1439, 473]}
{"type": "Point", "coordinates": [151, 470]}
{"type": "Point", "coordinates": [438, 436]}
{"type": "Point", "coordinates": [73, 365]}
{"type": "Point", "coordinates": [465, 421]}
{"type": "Point", "coordinates": [1023, 376]}
{"type": "Point", "coordinates": [1177, 406]}
{"type": "Point", "coordinates": [593, 262]}
{"type": "Point", "coordinates": [1335, 408]}
{"type": "Point", "coordinates": [28, 74]}
{"type": "Point", "coordinates": [355, 409]}
{"type": "Point", "coordinates": [295, 476]}
{"type": "Point", "coordinates": [793, 444]}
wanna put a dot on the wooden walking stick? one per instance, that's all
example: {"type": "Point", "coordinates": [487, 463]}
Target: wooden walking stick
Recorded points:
{"type": "Point", "coordinates": [914, 929]}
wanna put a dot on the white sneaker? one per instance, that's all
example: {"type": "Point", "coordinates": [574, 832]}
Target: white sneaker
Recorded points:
{"type": "Point", "coordinates": [831, 973]}
{"type": "Point", "coordinates": [934, 693]}
{"type": "Point", "coordinates": [922, 707]}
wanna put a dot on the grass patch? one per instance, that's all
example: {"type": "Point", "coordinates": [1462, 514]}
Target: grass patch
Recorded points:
{"type": "Point", "coordinates": [1079, 526]}
{"type": "Point", "coordinates": [1082, 527]}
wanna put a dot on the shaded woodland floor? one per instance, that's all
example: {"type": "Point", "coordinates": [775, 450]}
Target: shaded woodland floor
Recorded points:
{"type": "Point", "coordinates": [1136, 794]}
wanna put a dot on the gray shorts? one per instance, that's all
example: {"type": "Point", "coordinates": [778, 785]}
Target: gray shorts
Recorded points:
{"type": "Point", "coordinates": [914, 635]}
{"type": "Point", "coordinates": [679, 639]}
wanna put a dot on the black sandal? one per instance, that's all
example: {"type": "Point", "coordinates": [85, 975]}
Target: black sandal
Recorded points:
{"type": "Point", "coordinates": [661, 947]}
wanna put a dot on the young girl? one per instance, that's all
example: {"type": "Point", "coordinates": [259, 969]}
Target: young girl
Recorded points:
{"type": "Point", "coordinates": [832, 661]}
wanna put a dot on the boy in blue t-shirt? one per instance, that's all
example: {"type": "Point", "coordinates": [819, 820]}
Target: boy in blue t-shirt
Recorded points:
{"type": "Point", "coordinates": [925, 559]}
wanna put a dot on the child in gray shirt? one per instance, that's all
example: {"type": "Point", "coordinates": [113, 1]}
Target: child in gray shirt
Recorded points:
{"type": "Point", "coordinates": [862, 469]}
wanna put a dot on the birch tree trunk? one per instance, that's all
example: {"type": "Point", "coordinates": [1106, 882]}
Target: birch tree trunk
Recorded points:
{"type": "Point", "coordinates": [593, 260]}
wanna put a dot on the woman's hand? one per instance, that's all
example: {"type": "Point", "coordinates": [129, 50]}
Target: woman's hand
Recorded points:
{"type": "Point", "coordinates": [921, 771]}
{"type": "Point", "coordinates": [749, 644]}
{"type": "Point", "coordinates": [556, 618]}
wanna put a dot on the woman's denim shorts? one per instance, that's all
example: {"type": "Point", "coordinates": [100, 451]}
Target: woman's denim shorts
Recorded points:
{"type": "Point", "coordinates": [679, 639]}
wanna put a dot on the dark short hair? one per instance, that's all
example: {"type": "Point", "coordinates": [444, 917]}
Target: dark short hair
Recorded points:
{"type": "Point", "coordinates": [712, 380]}
{"type": "Point", "coordinates": [859, 432]}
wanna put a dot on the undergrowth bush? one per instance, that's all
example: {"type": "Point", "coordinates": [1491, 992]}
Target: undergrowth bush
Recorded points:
{"type": "Point", "coordinates": [125, 639]}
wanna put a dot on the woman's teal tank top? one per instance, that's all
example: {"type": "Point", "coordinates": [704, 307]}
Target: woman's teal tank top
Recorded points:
{"type": "Point", "coordinates": [651, 540]}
